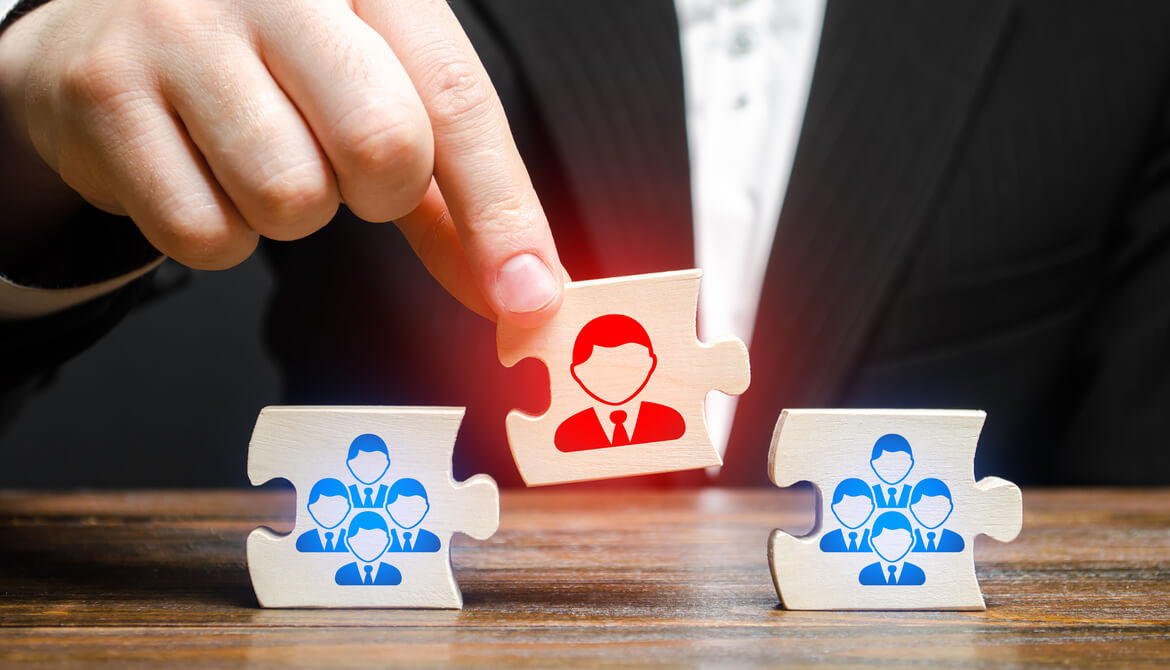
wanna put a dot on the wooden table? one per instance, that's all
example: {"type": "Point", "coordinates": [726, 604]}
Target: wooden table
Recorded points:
{"type": "Point", "coordinates": [572, 578]}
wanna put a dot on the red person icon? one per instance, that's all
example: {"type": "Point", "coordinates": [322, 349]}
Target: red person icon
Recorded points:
{"type": "Point", "coordinates": [613, 360]}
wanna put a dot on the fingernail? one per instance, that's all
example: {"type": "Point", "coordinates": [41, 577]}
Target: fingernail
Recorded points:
{"type": "Point", "coordinates": [524, 284]}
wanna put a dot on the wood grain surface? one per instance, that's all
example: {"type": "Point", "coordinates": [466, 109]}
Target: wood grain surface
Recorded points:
{"type": "Point", "coordinates": [573, 578]}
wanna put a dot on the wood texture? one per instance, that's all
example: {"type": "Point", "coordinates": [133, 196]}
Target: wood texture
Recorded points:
{"type": "Point", "coordinates": [934, 452]}
{"type": "Point", "coordinates": [411, 447]}
{"type": "Point", "coordinates": [684, 372]}
{"type": "Point", "coordinates": [572, 578]}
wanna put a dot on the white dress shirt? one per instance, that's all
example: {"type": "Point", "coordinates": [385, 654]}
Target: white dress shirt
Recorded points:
{"type": "Point", "coordinates": [747, 67]}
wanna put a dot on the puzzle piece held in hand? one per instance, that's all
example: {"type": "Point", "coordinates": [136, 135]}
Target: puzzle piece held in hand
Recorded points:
{"type": "Point", "coordinates": [628, 380]}
{"type": "Point", "coordinates": [898, 509]}
{"type": "Point", "coordinates": [376, 507]}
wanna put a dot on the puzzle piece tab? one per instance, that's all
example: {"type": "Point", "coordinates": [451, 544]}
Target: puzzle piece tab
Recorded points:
{"type": "Point", "coordinates": [376, 507]}
{"type": "Point", "coordinates": [628, 380]}
{"type": "Point", "coordinates": [898, 509]}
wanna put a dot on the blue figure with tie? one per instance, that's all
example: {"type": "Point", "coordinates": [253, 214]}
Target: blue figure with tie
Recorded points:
{"type": "Point", "coordinates": [891, 461]}
{"type": "Point", "coordinates": [328, 506]}
{"type": "Point", "coordinates": [407, 505]}
{"type": "Point", "coordinates": [368, 539]}
{"type": "Point", "coordinates": [931, 506]}
{"type": "Point", "coordinates": [852, 505]}
{"type": "Point", "coordinates": [368, 460]}
{"type": "Point", "coordinates": [891, 540]}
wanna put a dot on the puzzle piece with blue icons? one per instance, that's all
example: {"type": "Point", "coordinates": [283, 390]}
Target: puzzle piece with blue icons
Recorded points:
{"type": "Point", "coordinates": [898, 509]}
{"type": "Point", "coordinates": [376, 507]}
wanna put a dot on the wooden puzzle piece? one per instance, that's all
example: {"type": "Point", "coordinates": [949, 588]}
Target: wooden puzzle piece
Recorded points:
{"type": "Point", "coordinates": [376, 507]}
{"type": "Point", "coordinates": [898, 509]}
{"type": "Point", "coordinates": [628, 380]}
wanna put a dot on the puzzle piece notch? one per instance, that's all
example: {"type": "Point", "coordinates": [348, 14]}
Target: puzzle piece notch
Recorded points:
{"type": "Point", "coordinates": [685, 370]}
{"type": "Point", "coordinates": [824, 447]}
{"type": "Point", "coordinates": [307, 444]}
{"type": "Point", "coordinates": [1004, 508]}
{"type": "Point", "coordinates": [482, 498]}
{"type": "Point", "coordinates": [730, 372]}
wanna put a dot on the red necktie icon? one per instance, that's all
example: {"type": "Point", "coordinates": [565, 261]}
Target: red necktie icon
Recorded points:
{"type": "Point", "coordinates": [620, 436]}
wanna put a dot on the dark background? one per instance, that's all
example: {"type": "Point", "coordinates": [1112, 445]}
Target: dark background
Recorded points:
{"type": "Point", "coordinates": [168, 398]}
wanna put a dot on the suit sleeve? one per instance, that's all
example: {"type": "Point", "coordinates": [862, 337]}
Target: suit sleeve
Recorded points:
{"type": "Point", "coordinates": [60, 299]}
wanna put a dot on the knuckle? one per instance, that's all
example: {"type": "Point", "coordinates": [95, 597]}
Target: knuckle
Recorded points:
{"type": "Point", "coordinates": [103, 79]}
{"type": "Point", "coordinates": [293, 197]}
{"type": "Point", "coordinates": [460, 91]}
{"type": "Point", "coordinates": [502, 215]}
{"type": "Point", "coordinates": [372, 139]}
{"type": "Point", "coordinates": [201, 237]}
{"type": "Point", "coordinates": [184, 24]}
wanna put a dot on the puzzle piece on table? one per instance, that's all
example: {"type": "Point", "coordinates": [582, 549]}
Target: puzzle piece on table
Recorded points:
{"type": "Point", "coordinates": [898, 509]}
{"type": "Point", "coordinates": [628, 380]}
{"type": "Point", "coordinates": [376, 507]}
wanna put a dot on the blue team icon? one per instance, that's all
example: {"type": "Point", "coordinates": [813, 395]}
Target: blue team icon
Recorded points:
{"type": "Point", "coordinates": [407, 505]}
{"type": "Point", "coordinates": [328, 506]}
{"type": "Point", "coordinates": [931, 506]}
{"type": "Point", "coordinates": [892, 540]}
{"type": "Point", "coordinates": [368, 461]}
{"type": "Point", "coordinates": [852, 505]}
{"type": "Point", "coordinates": [368, 539]}
{"type": "Point", "coordinates": [891, 461]}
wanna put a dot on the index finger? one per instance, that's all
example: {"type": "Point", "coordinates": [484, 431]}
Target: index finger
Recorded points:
{"type": "Point", "coordinates": [501, 225]}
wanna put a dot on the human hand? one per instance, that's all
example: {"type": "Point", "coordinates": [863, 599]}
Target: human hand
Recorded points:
{"type": "Point", "coordinates": [213, 122]}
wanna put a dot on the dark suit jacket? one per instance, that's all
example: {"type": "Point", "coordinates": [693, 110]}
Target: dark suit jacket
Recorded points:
{"type": "Point", "coordinates": [978, 217]}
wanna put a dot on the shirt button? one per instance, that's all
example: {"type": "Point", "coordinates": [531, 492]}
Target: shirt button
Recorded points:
{"type": "Point", "coordinates": [741, 43]}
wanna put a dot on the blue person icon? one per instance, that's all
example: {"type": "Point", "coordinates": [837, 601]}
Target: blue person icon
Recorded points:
{"type": "Point", "coordinates": [368, 460]}
{"type": "Point", "coordinates": [407, 505]}
{"type": "Point", "coordinates": [852, 505]}
{"type": "Point", "coordinates": [368, 539]}
{"type": "Point", "coordinates": [328, 506]}
{"type": "Point", "coordinates": [891, 540]}
{"type": "Point", "coordinates": [891, 460]}
{"type": "Point", "coordinates": [931, 506]}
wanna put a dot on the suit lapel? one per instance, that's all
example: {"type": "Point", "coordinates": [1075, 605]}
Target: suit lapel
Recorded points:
{"type": "Point", "coordinates": [895, 87]}
{"type": "Point", "coordinates": [605, 80]}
